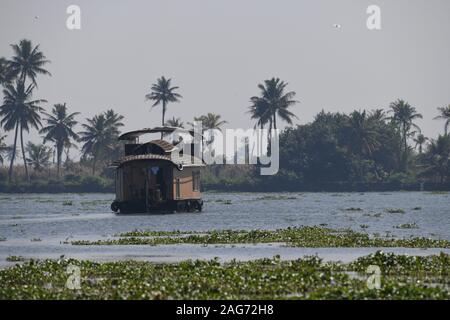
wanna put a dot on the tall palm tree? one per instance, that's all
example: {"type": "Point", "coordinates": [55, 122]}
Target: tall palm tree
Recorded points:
{"type": "Point", "coordinates": [445, 115]}
{"type": "Point", "coordinates": [277, 102]}
{"type": "Point", "coordinates": [39, 156]}
{"type": "Point", "coordinates": [174, 122]}
{"type": "Point", "coordinates": [96, 138]}
{"type": "Point", "coordinates": [28, 61]}
{"type": "Point", "coordinates": [403, 116]}
{"type": "Point", "coordinates": [260, 111]}
{"type": "Point", "coordinates": [19, 113]}
{"type": "Point", "coordinates": [420, 140]}
{"type": "Point", "coordinates": [59, 129]}
{"type": "Point", "coordinates": [163, 93]}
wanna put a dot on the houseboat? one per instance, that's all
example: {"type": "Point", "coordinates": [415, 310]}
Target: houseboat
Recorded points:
{"type": "Point", "coordinates": [148, 179]}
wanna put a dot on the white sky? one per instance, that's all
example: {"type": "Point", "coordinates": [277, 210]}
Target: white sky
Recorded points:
{"type": "Point", "coordinates": [217, 51]}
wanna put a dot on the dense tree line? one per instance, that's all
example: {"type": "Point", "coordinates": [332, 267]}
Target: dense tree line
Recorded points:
{"type": "Point", "coordinates": [370, 146]}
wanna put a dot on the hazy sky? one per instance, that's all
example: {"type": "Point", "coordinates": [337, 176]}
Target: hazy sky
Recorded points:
{"type": "Point", "coordinates": [217, 51]}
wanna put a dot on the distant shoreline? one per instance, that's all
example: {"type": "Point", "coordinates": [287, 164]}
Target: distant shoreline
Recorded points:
{"type": "Point", "coordinates": [292, 187]}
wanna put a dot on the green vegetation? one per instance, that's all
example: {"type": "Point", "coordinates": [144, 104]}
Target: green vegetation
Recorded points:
{"type": "Point", "coordinates": [296, 237]}
{"type": "Point", "coordinates": [69, 183]}
{"type": "Point", "coordinates": [407, 226]}
{"type": "Point", "coordinates": [353, 209]}
{"type": "Point", "coordinates": [275, 197]}
{"type": "Point", "coordinates": [59, 129]}
{"type": "Point", "coordinates": [358, 151]}
{"type": "Point", "coordinates": [402, 277]}
{"type": "Point", "coordinates": [15, 258]}
{"type": "Point", "coordinates": [395, 210]}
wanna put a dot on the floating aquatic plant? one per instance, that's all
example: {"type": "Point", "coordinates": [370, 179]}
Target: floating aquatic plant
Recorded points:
{"type": "Point", "coordinates": [304, 236]}
{"type": "Point", "coordinates": [407, 226]}
{"type": "Point", "coordinates": [395, 210]}
{"type": "Point", "coordinates": [403, 277]}
{"type": "Point", "coordinates": [15, 258]}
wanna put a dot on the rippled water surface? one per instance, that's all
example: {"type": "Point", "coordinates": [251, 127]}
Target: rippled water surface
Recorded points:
{"type": "Point", "coordinates": [37, 223]}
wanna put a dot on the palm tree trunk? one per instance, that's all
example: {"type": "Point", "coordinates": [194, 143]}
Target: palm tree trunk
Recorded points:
{"type": "Point", "coordinates": [93, 165]}
{"type": "Point", "coordinates": [269, 138]}
{"type": "Point", "coordinates": [13, 156]}
{"type": "Point", "coordinates": [59, 148]}
{"type": "Point", "coordinates": [23, 154]}
{"type": "Point", "coordinates": [405, 148]}
{"type": "Point", "coordinates": [163, 115]}
{"type": "Point", "coordinates": [261, 141]}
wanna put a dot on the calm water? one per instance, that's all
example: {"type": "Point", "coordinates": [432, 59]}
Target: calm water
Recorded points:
{"type": "Point", "coordinates": [33, 225]}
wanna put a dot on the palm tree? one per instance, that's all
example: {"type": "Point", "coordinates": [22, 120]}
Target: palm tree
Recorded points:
{"type": "Point", "coordinates": [174, 122]}
{"type": "Point", "coordinates": [19, 113]}
{"type": "Point", "coordinates": [28, 61]}
{"type": "Point", "coordinates": [96, 138]}
{"type": "Point", "coordinates": [420, 140]}
{"type": "Point", "coordinates": [403, 116]}
{"type": "Point", "coordinates": [163, 93]}
{"type": "Point", "coordinates": [59, 129]}
{"type": "Point", "coordinates": [363, 136]}
{"type": "Point", "coordinates": [67, 146]}
{"type": "Point", "coordinates": [6, 73]}
{"type": "Point", "coordinates": [113, 121]}
{"type": "Point", "coordinates": [445, 115]}
{"type": "Point", "coordinates": [438, 157]}
{"type": "Point", "coordinates": [377, 115]}
{"type": "Point", "coordinates": [39, 156]}
{"type": "Point", "coordinates": [113, 124]}
{"type": "Point", "coordinates": [260, 111]}
{"type": "Point", "coordinates": [275, 100]}
{"type": "Point", "coordinates": [210, 121]}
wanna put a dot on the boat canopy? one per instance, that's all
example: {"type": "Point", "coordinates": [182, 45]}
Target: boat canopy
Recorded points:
{"type": "Point", "coordinates": [195, 162]}
{"type": "Point", "coordinates": [133, 135]}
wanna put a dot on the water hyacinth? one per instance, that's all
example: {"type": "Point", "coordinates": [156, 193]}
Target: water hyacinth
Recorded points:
{"type": "Point", "coordinates": [305, 236]}
{"type": "Point", "coordinates": [308, 278]}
